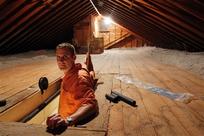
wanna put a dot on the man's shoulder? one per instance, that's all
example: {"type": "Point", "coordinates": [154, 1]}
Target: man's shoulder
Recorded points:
{"type": "Point", "coordinates": [83, 72]}
{"type": "Point", "coordinates": [84, 76]}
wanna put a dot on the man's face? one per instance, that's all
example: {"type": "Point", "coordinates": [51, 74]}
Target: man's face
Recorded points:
{"type": "Point", "coordinates": [65, 59]}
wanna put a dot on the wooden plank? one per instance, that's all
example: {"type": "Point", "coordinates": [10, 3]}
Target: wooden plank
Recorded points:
{"type": "Point", "coordinates": [124, 120]}
{"type": "Point", "coordinates": [162, 119]}
{"type": "Point", "coordinates": [182, 81]}
{"type": "Point", "coordinates": [50, 109]}
{"type": "Point", "coordinates": [20, 129]}
{"type": "Point", "coordinates": [116, 121]}
{"type": "Point", "coordinates": [24, 104]}
{"type": "Point", "coordinates": [155, 114]}
{"type": "Point", "coordinates": [136, 119]}
{"type": "Point", "coordinates": [124, 69]}
{"type": "Point", "coordinates": [189, 83]}
{"type": "Point", "coordinates": [101, 121]}
{"type": "Point", "coordinates": [107, 66]}
{"type": "Point", "coordinates": [159, 103]}
{"type": "Point", "coordinates": [99, 62]}
{"type": "Point", "coordinates": [189, 121]}
{"type": "Point", "coordinates": [25, 75]}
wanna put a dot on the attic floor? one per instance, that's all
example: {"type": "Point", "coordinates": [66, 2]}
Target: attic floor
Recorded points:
{"type": "Point", "coordinates": [154, 115]}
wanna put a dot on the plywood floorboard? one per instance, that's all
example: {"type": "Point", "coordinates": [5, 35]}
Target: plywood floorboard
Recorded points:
{"type": "Point", "coordinates": [155, 114]}
{"type": "Point", "coordinates": [171, 124]}
{"type": "Point", "coordinates": [17, 78]}
{"type": "Point", "coordinates": [20, 129]}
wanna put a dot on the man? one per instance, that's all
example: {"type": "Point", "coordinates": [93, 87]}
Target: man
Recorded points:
{"type": "Point", "coordinates": [77, 100]}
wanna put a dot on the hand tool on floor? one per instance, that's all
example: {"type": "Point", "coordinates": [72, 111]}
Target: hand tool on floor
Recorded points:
{"type": "Point", "coordinates": [115, 97]}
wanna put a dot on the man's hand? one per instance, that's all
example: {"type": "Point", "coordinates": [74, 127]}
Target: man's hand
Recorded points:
{"type": "Point", "coordinates": [55, 121]}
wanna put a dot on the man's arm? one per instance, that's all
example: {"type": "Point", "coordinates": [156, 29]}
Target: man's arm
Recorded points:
{"type": "Point", "coordinates": [89, 104]}
{"type": "Point", "coordinates": [83, 112]}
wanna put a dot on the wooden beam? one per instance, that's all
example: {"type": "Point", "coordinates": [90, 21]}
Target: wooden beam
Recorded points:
{"type": "Point", "coordinates": [18, 129]}
{"type": "Point", "coordinates": [20, 105]}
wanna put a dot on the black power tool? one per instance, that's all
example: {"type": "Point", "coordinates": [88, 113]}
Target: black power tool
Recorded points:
{"type": "Point", "coordinates": [115, 97]}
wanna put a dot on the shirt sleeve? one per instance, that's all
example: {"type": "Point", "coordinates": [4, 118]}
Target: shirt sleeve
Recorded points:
{"type": "Point", "coordinates": [85, 91]}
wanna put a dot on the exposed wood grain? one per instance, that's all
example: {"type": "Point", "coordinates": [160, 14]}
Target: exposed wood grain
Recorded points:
{"type": "Point", "coordinates": [116, 121]}
{"type": "Point", "coordinates": [101, 121]}
{"type": "Point", "coordinates": [155, 114]}
{"type": "Point", "coordinates": [188, 120]}
{"type": "Point", "coordinates": [26, 75]}
{"type": "Point", "coordinates": [20, 129]}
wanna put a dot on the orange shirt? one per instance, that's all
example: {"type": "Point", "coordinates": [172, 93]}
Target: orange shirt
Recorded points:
{"type": "Point", "coordinates": [76, 90]}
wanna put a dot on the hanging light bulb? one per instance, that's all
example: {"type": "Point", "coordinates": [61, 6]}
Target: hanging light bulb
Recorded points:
{"type": "Point", "coordinates": [107, 20]}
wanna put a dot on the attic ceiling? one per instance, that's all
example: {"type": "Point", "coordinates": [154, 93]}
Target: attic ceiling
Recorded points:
{"type": "Point", "coordinates": [35, 24]}
{"type": "Point", "coordinates": [174, 24]}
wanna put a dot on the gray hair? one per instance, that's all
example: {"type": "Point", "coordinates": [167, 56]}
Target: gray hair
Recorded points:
{"type": "Point", "coordinates": [68, 46]}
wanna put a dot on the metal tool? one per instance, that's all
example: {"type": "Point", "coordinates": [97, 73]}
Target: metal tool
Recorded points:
{"type": "Point", "coordinates": [115, 97]}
